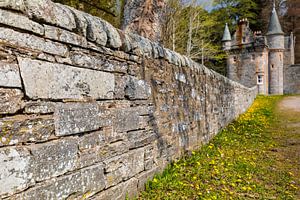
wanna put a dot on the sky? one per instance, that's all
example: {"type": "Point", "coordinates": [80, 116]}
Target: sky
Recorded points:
{"type": "Point", "coordinates": [207, 4]}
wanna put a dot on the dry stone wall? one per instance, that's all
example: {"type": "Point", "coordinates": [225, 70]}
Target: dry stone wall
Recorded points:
{"type": "Point", "coordinates": [89, 112]}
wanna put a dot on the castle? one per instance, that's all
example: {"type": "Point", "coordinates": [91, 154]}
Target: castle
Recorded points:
{"type": "Point", "coordinates": [263, 60]}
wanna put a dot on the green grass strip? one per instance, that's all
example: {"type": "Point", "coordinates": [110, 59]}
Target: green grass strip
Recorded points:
{"type": "Point", "coordinates": [236, 164]}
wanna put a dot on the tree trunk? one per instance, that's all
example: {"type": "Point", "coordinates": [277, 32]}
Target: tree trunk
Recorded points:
{"type": "Point", "coordinates": [144, 18]}
{"type": "Point", "coordinates": [189, 40]}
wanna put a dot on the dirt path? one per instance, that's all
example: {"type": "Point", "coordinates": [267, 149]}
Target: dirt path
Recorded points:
{"type": "Point", "coordinates": [287, 135]}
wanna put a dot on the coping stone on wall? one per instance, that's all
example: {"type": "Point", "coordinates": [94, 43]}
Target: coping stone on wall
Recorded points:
{"type": "Point", "coordinates": [20, 21]}
{"type": "Point", "coordinates": [17, 5]}
{"type": "Point", "coordinates": [50, 12]}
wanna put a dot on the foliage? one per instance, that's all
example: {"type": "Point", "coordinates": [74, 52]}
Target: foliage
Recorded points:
{"type": "Point", "coordinates": [177, 26]}
{"type": "Point", "coordinates": [110, 10]}
{"type": "Point", "coordinates": [207, 28]}
{"type": "Point", "coordinates": [236, 164]}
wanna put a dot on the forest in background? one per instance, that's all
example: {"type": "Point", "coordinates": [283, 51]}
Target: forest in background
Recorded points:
{"type": "Point", "coordinates": [186, 27]}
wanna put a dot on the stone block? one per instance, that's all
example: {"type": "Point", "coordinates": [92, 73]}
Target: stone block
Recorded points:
{"type": "Point", "coordinates": [99, 153]}
{"type": "Point", "coordinates": [79, 185]}
{"type": "Point", "coordinates": [17, 5]}
{"type": "Point", "coordinates": [113, 136]}
{"type": "Point", "coordinates": [50, 12]}
{"type": "Point", "coordinates": [29, 41]}
{"type": "Point", "coordinates": [47, 80]}
{"type": "Point", "coordinates": [126, 119]}
{"type": "Point", "coordinates": [97, 62]}
{"type": "Point", "coordinates": [140, 138]}
{"type": "Point", "coordinates": [22, 129]}
{"type": "Point", "coordinates": [64, 36]}
{"type": "Point", "coordinates": [144, 177]}
{"type": "Point", "coordinates": [10, 75]}
{"type": "Point", "coordinates": [92, 140]}
{"type": "Point", "coordinates": [119, 192]}
{"type": "Point", "coordinates": [81, 21]}
{"type": "Point", "coordinates": [53, 158]}
{"type": "Point", "coordinates": [39, 107]}
{"type": "Point", "coordinates": [95, 30]}
{"type": "Point", "coordinates": [14, 170]}
{"type": "Point", "coordinates": [113, 37]}
{"type": "Point", "coordinates": [72, 118]}
{"type": "Point", "coordinates": [20, 21]}
{"type": "Point", "coordinates": [10, 100]}
{"type": "Point", "coordinates": [126, 165]}
{"type": "Point", "coordinates": [137, 89]}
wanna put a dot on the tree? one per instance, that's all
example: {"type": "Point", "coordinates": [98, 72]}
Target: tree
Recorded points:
{"type": "Point", "coordinates": [144, 17]}
{"type": "Point", "coordinates": [109, 10]}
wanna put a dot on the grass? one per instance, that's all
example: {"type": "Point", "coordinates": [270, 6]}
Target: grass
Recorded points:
{"type": "Point", "coordinates": [239, 163]}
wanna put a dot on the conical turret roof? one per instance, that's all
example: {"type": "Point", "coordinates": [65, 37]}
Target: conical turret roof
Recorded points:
{"type": "Point", "coordinates": [226, 34]}
{"type": "Point", "coordinates": [274, 24]}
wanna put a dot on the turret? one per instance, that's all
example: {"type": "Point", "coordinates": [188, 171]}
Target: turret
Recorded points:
{"type": "Point", "coordinates": [226, 40]}
{"type": "Point", "coordinates": [275, 37]}
{"type": "Point", "coordinates": [275, 34]}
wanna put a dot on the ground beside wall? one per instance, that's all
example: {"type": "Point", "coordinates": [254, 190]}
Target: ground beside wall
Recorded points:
{"type": "Point", "coordinates": [87, 111]}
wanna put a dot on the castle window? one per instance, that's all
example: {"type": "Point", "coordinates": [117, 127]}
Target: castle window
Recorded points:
{"type": "Point", "coordinates": [244, 39]}
{"type": "Point", "coordinates": [272, 66]}
{"type": "Point", "coordinates": [259, 79]}
{"type": "Point", "coordinates": [252, 57]}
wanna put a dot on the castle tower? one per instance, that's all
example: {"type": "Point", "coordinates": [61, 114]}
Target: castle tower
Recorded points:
{"type": "Point", "coordinates": [226, 40]}
{"type": "Point", "coordinates": [275, 37]}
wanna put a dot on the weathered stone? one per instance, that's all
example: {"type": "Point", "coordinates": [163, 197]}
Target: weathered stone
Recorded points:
{"type": "Point", "coordinates": [137, 89]}
{"type": "Point", "coordinates": [88, 60]}
{"type": "Point", "coordinates": [57, 81]}
{"type": "Point", "coordinates": [140, 138]}
{"type": "Point", "coordinates": [125, 166]}
{"type": "Point", "coordinates": [53, 158]}
{"type": "Point", "coordinates": [46, 57]}
{"type": "Point", "coordinates": [92, 140]}
{"type": "Point", "coordinates": [21, 129]}
{"type": "Point", "coordinates": [10, 100]}
{"type": "Point", "coordinates": [9, 75]}
{"type": "Point", "coordinates": [144, 177]}
{"type": "Point", "coordinates": [39, 107]}
{"type": "Point", "coordinates": [72, 118]}
{"type": "Point", "coordinates": [101, 152]}
{"type": "Point", "coordinates": [95, 30]}
{"type": "Point", "coordinates": [81, 21]}
{"type": "Point", "coordinates": [24, 40]}
{"type": "Point", "coordinates": [50, 12]}
{"type": "Point", "coordinates": [20, 21]}
{"type": "Point", "coordinates": [13, 4]}
{"type": "Point", "coordinates": [64, 36]}
{"type": "Point", "coordinates": [126, 119]}
{"type": "Point", "coordinates": [119, 192]}
{"type": "Point", "coordinates": [112, 136]}
{"type": "Point", "coordinates": [113, 37]}
{"type": "Point", "coordinates": [140, 45]}
{"type": "Point", "coordinates": [14, 170]}
{"type": "Point", "coordinates": [79, 185]}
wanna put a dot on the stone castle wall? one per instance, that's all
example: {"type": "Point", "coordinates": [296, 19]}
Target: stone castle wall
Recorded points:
{"type": "Point", "coordinates": [87, 111]}
{"type": "Point", "coordinates": [292, 80]}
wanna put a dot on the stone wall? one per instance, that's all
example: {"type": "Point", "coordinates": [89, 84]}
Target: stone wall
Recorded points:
{"type": "Point", "coordinates": [87, 111]}
{"type": "Point", "coordinates": [292, 79]}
